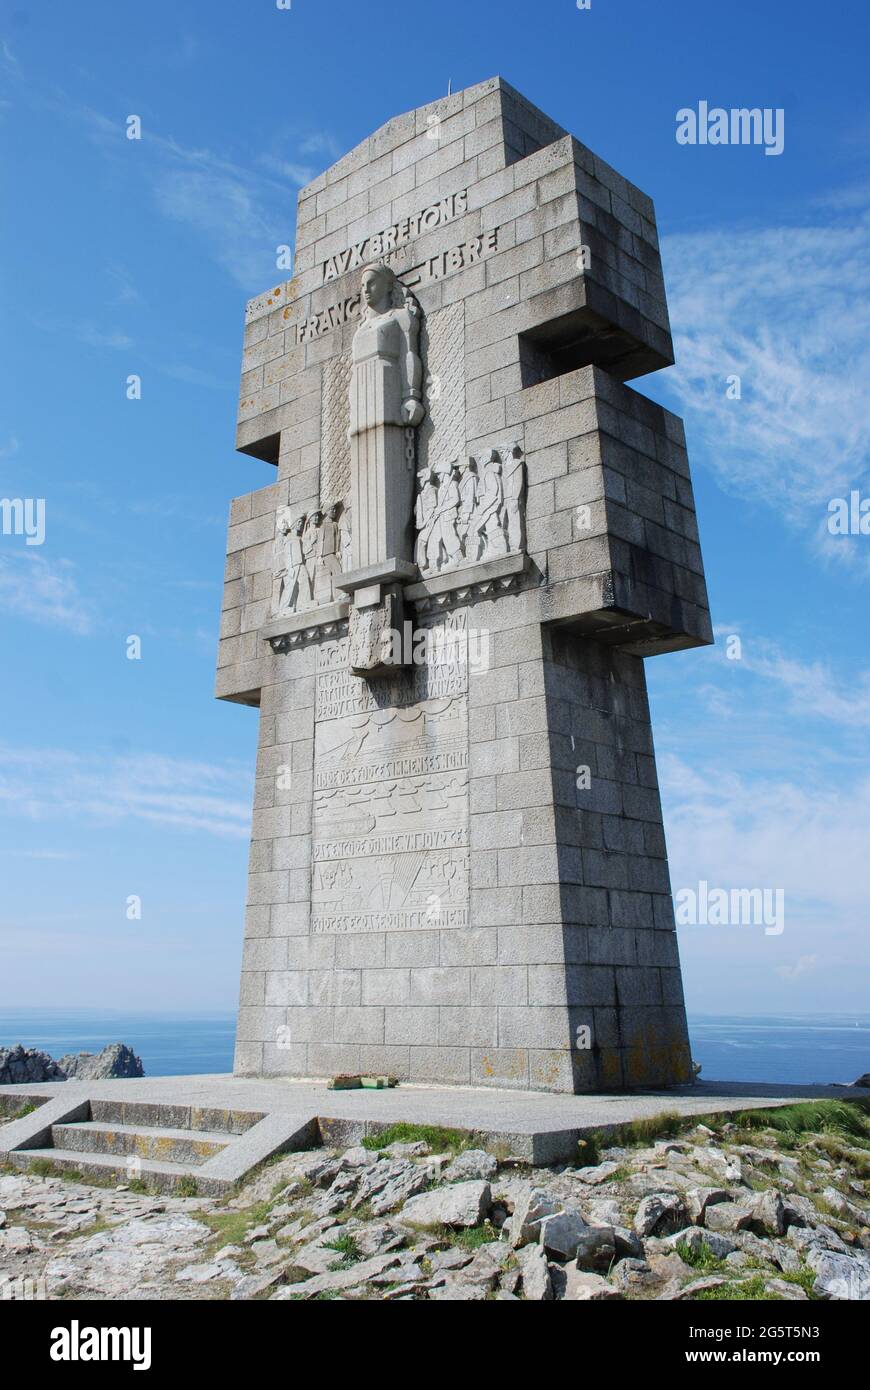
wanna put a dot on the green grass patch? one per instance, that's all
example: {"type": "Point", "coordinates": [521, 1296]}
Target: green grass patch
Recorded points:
{"type": "Point", "coordinates": [231, 1227]}
{"type": "Point", "coordinates": [805, 1279]}
{"type": "Point", "coordinates": [701, 1258]}
{"type": "Point", "coordinates": [347, 1248]}
{"type": "Point", "coordinates": [637, 1133]}
{"type": "Point", "coordinates": [748, 1290]}
{"type": "Point", "coordinates": [835, 1117]}
{"type": "Point", "coordinates": [16, 1114]}
{"type": "Point", "coordinates": [469, 1237]}
{"type": "Point", "coordinates": [440, 1140]}
{"type": "Point", "coordinates": [43, 1168]}
{"type": "Point", "coordinates": [187, 1186]}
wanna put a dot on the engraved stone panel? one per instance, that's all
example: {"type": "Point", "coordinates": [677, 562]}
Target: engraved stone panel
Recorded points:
{"type": "Point", "coordinates": [442, 433]}
{"type": "Point", "coordinates": [390, 842]}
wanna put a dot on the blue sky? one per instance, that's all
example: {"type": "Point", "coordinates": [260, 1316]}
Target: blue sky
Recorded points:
{"type": "Point", "coordinates": [123, 777]}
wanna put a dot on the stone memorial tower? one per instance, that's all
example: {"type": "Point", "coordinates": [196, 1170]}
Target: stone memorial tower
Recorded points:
{"type": "Point", "coordinates": [442, 607]}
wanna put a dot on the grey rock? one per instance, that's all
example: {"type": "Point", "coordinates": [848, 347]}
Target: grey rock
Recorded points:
{"type": "Point", "coordinates": [416, 1149]}
{"type": "Point", "coordinates": [454, 1258]}
{"type": "Point", "coordinates": [583, 1287]}
{"type": "Point", "coordinates": [738, 1259]}
{"type": "Point", "coordinates": [863, 1080]}
{"type": "Point", "coordinates": [458, 1291]}
{"type": "Point", "coordinates": [375, 1238]}
{"type": "Point", "coordinates": [842, 1207]}
{"type": "Point", "coordinates": [696, 1239]}
{"type": "Point", "coordinates": [116, 1060]}
{"type": "Point", "coordinates": [532, 1206]}
{"type": "Point", "coordinates": [537, 1285]}
{"type": "Point", "coordinates": [460, 1204]}
{"type": "Point", "coordinates": [729, 1216]}
{"type": "Point", "coordinates": [398, 1190]}
{"type": "Point", "coordinates": [561, 1234]}
{"type": "Point", "coordinates": [593, 1176]}
{"type": "Point", "coordinates": [472, 1163]}
{"type": "Point", "coordinates": [660, 1214]}
{"type": "Point", "coordinates": [840, 1277]}
{"type": "Point", "coordinates": [821, 1237]}
{"type": "Point", "coordinates": [25, 1064]}
{"type": "Point", "coordinates": [358, 1157]}
{"type": "Point", "coordinates": [628, 1243]}
{"type": "Point", "coordinates": [632, 1274]}
{"type": "Point", "coordinates": [698, 1199]}
{"type": "Point", "coordinates": [596, 1248]}
{"type": "Point", "coordinates": [339, 1280]}
{"type": "Point", "coordinates": [784, 1289]}
{"type": "Point", "coordinates": [768, 1213]}
{"type": "Point", "coordinates": [710, 1281]}
{"type": "Point", "coordinates": [603, 1212]}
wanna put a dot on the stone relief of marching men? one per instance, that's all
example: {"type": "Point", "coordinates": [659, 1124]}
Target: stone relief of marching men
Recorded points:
{"type": "Point", "coordinates": [310, 550]}
{"type": "Point", "coordinates": [470, 512]}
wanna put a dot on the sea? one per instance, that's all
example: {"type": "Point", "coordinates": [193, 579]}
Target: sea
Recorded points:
{"type": "Point", "coordinates": [797, 1049]}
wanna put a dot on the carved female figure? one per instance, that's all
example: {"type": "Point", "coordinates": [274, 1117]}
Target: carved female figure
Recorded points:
{"type": "Point", "coordinates": [386, 400]}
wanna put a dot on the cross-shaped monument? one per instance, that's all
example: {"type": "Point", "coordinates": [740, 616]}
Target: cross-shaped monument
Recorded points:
{"type": "Point", "coordinates": [442, 607]}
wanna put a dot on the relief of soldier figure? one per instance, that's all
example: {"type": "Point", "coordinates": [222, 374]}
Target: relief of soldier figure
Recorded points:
{"type": "Point", "coordinates": [310, 550]}
{"type": "Point", "coordinates": [470, 512]}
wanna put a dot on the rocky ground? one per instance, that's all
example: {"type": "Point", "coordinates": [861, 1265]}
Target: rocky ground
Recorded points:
{"type": "Point", "coordinates": [713, 1211]}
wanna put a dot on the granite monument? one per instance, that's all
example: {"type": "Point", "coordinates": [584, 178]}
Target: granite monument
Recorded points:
{"type": "Point", "coordinates": [442, 607]}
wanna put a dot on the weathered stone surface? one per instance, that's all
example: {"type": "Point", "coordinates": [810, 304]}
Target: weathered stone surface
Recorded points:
{"type": "Point", "coordinates": [842, 1207]}
{"type": "Point", "coordinates": [339, 1280]}
{"type": "Point", "coordinates": [769, 1213]}
{"type": "Point", "coordinates": [660, 1214]}
{"type": "Point", "coordinates": [840, 1276]}
{"type": "Point", "coordinates": [588, 1288]}
{"type": "Point", "coordinates": [472, 1163]}
{"type": "Point", "coordinates": [729, 1216]}
{"type": "Point", "coordinates": [561, 1234]}
{"type": "Point", "coordinates": [698, 1199]}
{"type": "Point", "coordinates": [537, 1286]}
{"type": "Point", "coordinates": [532, 1207]}
{"type": "Point", "coordinates": [461, 1204]}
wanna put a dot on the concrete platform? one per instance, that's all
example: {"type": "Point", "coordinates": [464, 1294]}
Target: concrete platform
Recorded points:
{"type": "Point", "coordinates": [256, 1118]}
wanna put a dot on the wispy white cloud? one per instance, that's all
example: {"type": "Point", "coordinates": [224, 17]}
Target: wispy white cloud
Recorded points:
{"type": "Point", "coordinates": [87, 332]}
{"type": "Point", "coordinates": [786, 309]}
{"type": "Point", "coordinates": [805, 965]}
{"type": "Point", "coordinates": [44, 784]}
{"type": "Point", "coordinates": [813, 687]}
{"type": "Point", "coordinates": [42, 591]}
{"type": "Point", "coordinates": [242, 211]}
{"type": "Point", "coordinates": [125, 291]}
{"type": "Point", "coordinates": [800, 834]}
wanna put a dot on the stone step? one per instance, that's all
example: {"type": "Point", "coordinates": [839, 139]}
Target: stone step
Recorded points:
{"type": "Point", "coordinates": [186, 1146]}
{"type": "Point", "coordinates": [156, 1175]}
{"type": "Point", "coordinates": [217, 1120]}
